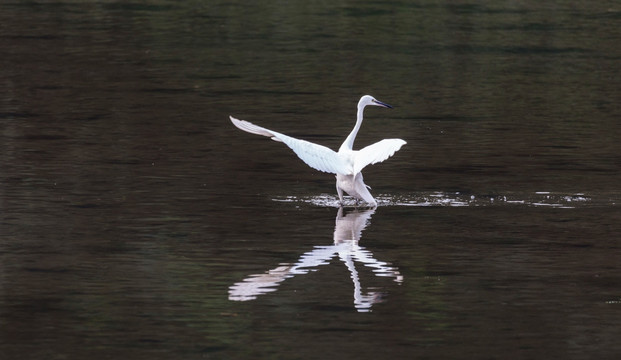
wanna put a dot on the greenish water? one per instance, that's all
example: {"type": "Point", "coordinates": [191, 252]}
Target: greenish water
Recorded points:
{"type": "Point", "coordinates": [137, 222]}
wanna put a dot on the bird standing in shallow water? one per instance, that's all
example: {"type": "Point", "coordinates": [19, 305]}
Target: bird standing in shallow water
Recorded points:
{"type": "Point", "coordinates": [347, 163]}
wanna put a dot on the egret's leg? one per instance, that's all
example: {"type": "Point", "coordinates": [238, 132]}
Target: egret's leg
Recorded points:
{"type": "Point", "coordinates": [363, 191]}
{"type": "Point", "coordinates": [340, 192]}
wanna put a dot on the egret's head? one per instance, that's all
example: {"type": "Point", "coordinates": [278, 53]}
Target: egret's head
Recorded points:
{"type": "Point", "coordinates": [370, 100]}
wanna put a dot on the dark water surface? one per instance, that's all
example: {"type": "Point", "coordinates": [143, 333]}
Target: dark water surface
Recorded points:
{"type": "Point", "coordinates": [137, 222]}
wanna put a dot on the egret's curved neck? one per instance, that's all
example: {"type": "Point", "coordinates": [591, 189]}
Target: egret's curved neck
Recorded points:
{"type": "Point", "coordinates": [348, 144]}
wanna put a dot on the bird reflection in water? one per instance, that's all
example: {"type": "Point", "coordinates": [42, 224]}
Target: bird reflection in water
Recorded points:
{"type": "Point", "coordinates": [346, 236]}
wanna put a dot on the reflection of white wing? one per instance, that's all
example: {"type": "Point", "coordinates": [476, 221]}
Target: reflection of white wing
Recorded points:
{"type": "Point", "coordinates": [375, 153]}
{"type": "Point", "coordinates": [258, 284]}
{"type": "Point", "coordinates": [380, 268]}
{"type": "Point", "coordinates": [316, 156]}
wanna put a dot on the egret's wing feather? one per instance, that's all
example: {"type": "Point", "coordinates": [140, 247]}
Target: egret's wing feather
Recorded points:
{"type": "Point", "coordinates": [316, 156]}
{"type": "Point", "coordinates": [375, 153]}
{"type": "Point", "coordinates": [253, 129]}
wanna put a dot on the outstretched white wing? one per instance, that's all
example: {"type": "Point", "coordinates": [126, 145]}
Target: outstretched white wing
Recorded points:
{"type": "Point", "coordinates": [375, 153]}
{"type": "Point", "coordinates": [316, 156]}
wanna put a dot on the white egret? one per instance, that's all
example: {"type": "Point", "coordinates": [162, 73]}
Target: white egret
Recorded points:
{"type": "Point", "coordinates": [347, 163]}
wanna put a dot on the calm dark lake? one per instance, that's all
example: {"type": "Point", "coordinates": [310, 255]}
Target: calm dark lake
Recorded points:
{"type": "Point", "coordinates": [137, 222]}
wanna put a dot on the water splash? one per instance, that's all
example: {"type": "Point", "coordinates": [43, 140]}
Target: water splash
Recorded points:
{"type": "Point", "coordinates": [457, 199]}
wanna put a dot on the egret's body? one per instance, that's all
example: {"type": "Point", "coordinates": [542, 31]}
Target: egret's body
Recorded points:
{"type": "Point", "coordinates": [347, 163]}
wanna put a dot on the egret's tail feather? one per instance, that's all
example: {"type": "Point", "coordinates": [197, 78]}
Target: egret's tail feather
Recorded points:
{"type": "Point", "coordinates": [253, 129]}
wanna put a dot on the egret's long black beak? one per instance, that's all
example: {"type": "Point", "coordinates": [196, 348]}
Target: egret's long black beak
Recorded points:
{"type": "Point", "coordinates": [379, 103]}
